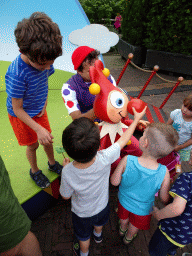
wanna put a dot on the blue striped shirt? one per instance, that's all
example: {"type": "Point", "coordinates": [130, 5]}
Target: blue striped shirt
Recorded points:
{"type": "Point", "coordinates": [25, 82]}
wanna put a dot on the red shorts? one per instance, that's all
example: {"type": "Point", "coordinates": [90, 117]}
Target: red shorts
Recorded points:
{"type": "Point", "coordinates": [24, 134]}
{"type": "Point", "coordinates": [140, 222]}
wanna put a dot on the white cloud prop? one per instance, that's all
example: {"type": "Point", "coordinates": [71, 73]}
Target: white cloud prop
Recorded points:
{"type": "Point", "coordinates": [95, 36]}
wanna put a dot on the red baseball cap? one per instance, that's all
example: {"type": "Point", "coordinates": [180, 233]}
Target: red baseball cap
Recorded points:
{"type": "Point", "coordinates": [80, 54]}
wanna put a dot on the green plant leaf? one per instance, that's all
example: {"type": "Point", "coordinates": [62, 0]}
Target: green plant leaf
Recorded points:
{"type": "Point", "coordinates": [59, 149]}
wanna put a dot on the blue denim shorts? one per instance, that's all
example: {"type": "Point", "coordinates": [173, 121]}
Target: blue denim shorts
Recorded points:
{"type": "Point", "coordinates": [83, 227]}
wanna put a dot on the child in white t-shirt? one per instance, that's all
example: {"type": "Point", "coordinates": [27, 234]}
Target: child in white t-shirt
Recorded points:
{"type": "Point", "coordinates": [181, 119]}
{"type": "Point", "coordinates": [86, 179]}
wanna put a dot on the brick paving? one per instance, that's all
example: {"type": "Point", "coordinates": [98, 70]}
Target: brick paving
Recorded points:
{"type": "Point", "coordinates": [54, 228]}
{"type": "Point", "coordinates": [54, 232]}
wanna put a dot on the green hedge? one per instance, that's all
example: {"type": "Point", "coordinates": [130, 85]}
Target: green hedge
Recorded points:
{"type": "Point", "coordinates": [133, 24]}
{"type": "Point", "coordinates": [159, 25]}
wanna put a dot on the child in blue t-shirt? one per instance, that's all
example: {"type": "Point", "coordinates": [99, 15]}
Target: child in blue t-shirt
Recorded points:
{"type": "Point", "coordinates": [181, 119]}
{"type": "Point", "coordinates": [40, 43]}
{"type": "Point", "coordinates": [140, 178]}
{"type": "Point", "coordinates": [175, 220]}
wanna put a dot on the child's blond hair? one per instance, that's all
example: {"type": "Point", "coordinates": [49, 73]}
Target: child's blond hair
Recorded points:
{"type": "Point", "coordinates": [162, 139]}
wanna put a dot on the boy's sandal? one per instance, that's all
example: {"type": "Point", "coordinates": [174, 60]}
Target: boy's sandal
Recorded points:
{"type": "Point", "coordinates": [128, 241]}
{"type": "Point", "coordinates": [40, 179]}
{"type": "Point", "coordinates": [121, 231]}
{"type": "Point", "coordinates": [57, 167]}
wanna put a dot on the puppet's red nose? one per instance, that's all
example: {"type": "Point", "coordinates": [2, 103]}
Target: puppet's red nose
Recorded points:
{"type": "Point", "coordinates": [138, 104]}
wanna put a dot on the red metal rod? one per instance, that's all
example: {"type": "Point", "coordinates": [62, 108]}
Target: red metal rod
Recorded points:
{"type": "Point", "coordinates": [180, 79]}
{"type": "Point", "coordinates": [155, 69]}
{"type": "Point", "coordinates": [130, 57]}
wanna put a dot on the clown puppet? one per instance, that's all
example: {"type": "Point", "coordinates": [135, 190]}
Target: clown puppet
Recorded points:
{"type": "Point", "coordinates": [110, 106]}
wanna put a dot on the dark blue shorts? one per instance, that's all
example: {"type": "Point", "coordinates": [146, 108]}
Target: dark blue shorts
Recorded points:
{"type": "Point", "coordinates": [160, 245]}
{"type": "Point", "coordinates": [83, 227]}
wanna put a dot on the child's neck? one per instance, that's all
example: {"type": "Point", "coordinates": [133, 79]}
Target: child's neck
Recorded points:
{"type": "Point", "coordinates": [25, 59]}
{"type": "Point", "coordinates": [83, 165]}
{"type": "Point", "coordinates": [148, 161]}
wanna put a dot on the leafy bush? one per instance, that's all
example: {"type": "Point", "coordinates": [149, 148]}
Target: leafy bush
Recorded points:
{"type": "Point", "coordinates": [159, 25]}
{"type": "Point", "coordinates": [134, 19]}
{"type": "Point", "coordinates": [169, 26]}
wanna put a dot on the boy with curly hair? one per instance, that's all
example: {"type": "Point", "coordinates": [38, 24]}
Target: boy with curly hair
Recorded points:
{"type": "Point", "coordinates": [40, 43]}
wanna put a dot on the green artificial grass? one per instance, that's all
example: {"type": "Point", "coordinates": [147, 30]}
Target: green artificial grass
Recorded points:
{"type": "Point", "coordinates": [13, 155]}
{"type": "Point", "coordinates": [3, 68]}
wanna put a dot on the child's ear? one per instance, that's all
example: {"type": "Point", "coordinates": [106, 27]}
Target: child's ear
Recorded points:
{"type": "Point", "coordinates": [146, 141]}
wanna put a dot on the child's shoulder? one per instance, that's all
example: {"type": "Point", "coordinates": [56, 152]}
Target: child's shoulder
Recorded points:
{"type": "Point", "coordinates": [176, 115]}
{"type": "Point", "coordinates": [67, 168]}
{"type": "Point", "coordinates": [110, 150]}
{"type": "Point", "coordinates": [132, 159]}
{"type": "Point", "coordinates": [176, 112]}
{"type": "Point", "coordinates": [16, 67]}
{"type": "Point", "coordinates": [186, 176]}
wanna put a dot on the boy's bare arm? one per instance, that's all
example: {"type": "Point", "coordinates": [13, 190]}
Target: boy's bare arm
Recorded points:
{"type": "Point", "coordinates": [43, 135]}
{"type": "Point", "coordinates": [165, 187]}
{"type": "Point", "coordinates": [170, 121]}
{"type": "Point", "coordinates": [89, 114]}
{"type": "Point", "coordinates": [172, 210]}
{"type": "Point", "coordinates": [123, 140]}
{"type": "Point", "coordinates": [116, 176]}
{"type": "Point", "coordinates": [66, 198]}
{"type": "Point", "coordinates": [184, 145]}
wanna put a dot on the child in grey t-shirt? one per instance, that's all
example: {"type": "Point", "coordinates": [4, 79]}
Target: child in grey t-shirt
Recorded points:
{"type": "Point", "coordinates": [86, 179]}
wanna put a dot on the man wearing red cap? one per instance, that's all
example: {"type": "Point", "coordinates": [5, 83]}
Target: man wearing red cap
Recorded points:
{"type": "Point", "coordinates": [75, 93]}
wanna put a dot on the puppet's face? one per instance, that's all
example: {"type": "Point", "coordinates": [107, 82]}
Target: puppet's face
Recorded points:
{"type": "Point", "coordinates": [117, 106]}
